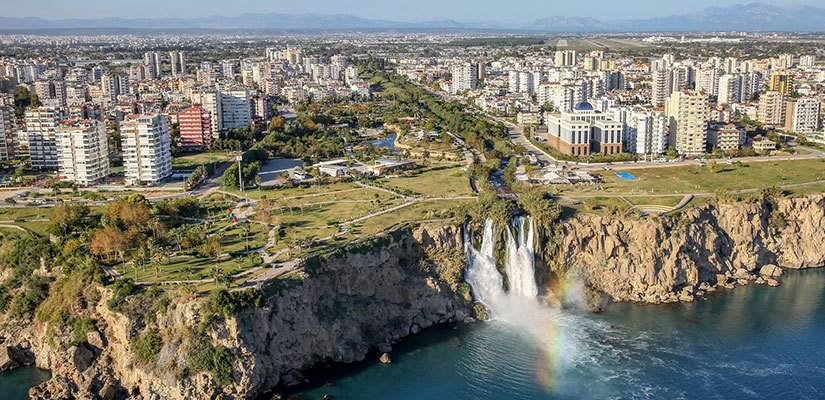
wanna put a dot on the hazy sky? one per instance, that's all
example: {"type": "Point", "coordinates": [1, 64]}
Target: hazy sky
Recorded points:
{"type": "Point", "coordinates": [400, 10]}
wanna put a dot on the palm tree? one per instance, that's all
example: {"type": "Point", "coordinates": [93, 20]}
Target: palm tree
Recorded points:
{"type": "Point", "coordinates": [246, 228]}
{"type": "Point", "coordinates": [217, 273]}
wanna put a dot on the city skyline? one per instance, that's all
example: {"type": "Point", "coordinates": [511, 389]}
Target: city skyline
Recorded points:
{"type": "Point", "coordinates": [427, 10]}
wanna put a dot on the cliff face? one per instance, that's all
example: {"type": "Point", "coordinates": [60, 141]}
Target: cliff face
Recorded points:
{"type": "Point", "coordinates": [670, 259]}
{"type": "Point", "coordinates": [337, 309]}
{"type": "Point", "coordinates": [370, 295]}
{"type": "Point", "coordinates": [361, 300]}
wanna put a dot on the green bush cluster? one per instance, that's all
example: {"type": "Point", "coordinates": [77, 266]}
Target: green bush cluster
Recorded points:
{"type": "Point", "coordinates": [147, 346]}
{"type": "Point", "coordinates": [228, 303]}
{"type": "Point", "coordinates": [216, 360]}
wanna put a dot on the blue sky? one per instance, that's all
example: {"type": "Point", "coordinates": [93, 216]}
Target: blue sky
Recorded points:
{"type": "Point", "coordinates": [401, 10]}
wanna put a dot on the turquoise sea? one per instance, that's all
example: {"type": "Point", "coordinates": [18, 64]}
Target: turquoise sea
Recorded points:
{"type": "Point", "coordinates": [14, 385]}
{"type": "Point", "coordinates": [749, 343]}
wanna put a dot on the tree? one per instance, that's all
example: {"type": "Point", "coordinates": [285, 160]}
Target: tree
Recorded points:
{"type": "Point", "coordinates": [277, 123]}
{"type": "Point", "coordinates": [109, 242]}
{"type": "Point", "coordinates": [212, 247]}
{"type": "Point", "coordinates": [246, 228]}
{"type": "Point", "coordinates": [67, 218]}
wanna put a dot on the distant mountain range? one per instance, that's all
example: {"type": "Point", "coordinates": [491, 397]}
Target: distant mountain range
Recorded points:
{"type": "Point", "coordinates": [741, 17]}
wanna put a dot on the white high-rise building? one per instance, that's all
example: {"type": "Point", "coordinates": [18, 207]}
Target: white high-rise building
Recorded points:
{"type": "Point", "coordinates": [146, 149]}
{"type": "Point", "coordinates": [8, 132]}
{"type": "Point", "coordinates": [236, 109]}
{"type": "Point", "coordinates": [644, 131]}
{"type": "Point", "coordinates": [728, 89]}
{"type": "Point", "coordinates": [807, 61]}
{"type": "Point", "coordinates": [153, 60]}
{"type": "Point", "coordinates": [707, 80]}
{"type": "Point", "coordinates": [649, 132]}
{"type": "Point", "coordinates": [660, 87]}
{"type": "Point", "coordinates": [177, 63]}
{"type": "Point", "coordinates": [786, 61]}
{"type": "Point", "coordinates": [565, 58]}
{"type": "Point", "coordinates": [82, 152]}
{"type": "Point", "coordinates": [465, 77]}
{"type": "Point", "coordinates": [686, 112]}
{"type": "Point", "coordinates": [804, 114]}
{"type": "Point", "coordinates": [41, 129]}
{"type": "Point", "coordinates": [228, 69]}
{"type": "Point", "coordinates": [730, 65]}
{"type": "Point", "coordinates": [211, 101]}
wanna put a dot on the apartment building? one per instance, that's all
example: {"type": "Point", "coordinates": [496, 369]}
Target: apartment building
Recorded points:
{"type": "Point", "coordinates": [195, 128]}
{"type": "Point", "coordinates": [146, 148]}
{"type": "Point", "coordinates": [41, 132]}
{"type": "Point", "coordinates": [802, 115]}
{"type": "Point", "coordinates": [686, 113]}
{"type": "Point", "coordinates": [82, 151]}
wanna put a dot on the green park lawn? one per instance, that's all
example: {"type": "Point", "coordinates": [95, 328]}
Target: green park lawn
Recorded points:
{"type": "Point", "coordinates": [192, 160]}
{"type": "Point", "coordinates": [701, 179]}
{"type": "Point", "coordinates": [190, 268]}
{"type": "Point", "coordinates": [448, 182]}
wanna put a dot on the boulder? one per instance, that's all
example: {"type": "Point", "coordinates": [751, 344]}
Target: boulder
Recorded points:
{"type": "Point", "coordinates": [384, 347]}
{"type": "Point", "coordinates": [12, 357]}
{"type": "Point", "coordinates": [96, 339]}
{"type": "Point", "coordinates": [385, 359]}
{"type": "Point", "coordinates": [771, 270]}
{"type": "Point", "coordinates": [773, 282]}
{"type": "Point", "coordinates": [81, 357]}
{"type": "Point", "coordinates": [108, 391]}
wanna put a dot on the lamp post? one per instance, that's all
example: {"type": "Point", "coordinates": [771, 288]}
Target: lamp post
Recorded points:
{"type": "Point", "coordinates": [239, 158]}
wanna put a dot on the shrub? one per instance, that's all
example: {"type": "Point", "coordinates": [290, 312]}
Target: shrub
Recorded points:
{"type": "Point", "coordinates": [122, 289]}
{"type": "Point", "coordinates": [204, 357]}
{"type": "Point", "coordinates": [147, 346]}
{"type": "Point", "coordinates": [228, 303]}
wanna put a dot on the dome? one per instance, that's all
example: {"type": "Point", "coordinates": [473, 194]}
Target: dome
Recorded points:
{"type": "Point", "coordinates": [583, 106]}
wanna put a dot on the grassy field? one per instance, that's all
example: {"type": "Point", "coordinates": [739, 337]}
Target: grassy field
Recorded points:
{"type": "Point", "coordinates": [669, 201]}
{"type": "Point", "coordinates": [233, 239]}
{"type": "Point", "coordinates": [190, 161]}
{"type": "Point", "coordinates": [191, 268]}
{"type": "Point", "coordinates": [701, 179]}
{"type": "Point", "coordinates": [416, 212]}
{"type": "Point", "coordinates": [434, 183]}
{"type": "Point", "coordinates": [300, 191]}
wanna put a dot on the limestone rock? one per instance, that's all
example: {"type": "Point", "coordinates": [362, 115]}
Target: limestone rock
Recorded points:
{"type": "Point", "coordinates": [723, 245]}
{"type": "Point", "coordinates": [771, 270]}
{"type": "Point", "coordinates": [95, 339]}
{"type": "Point", "coordinates": [772, 282]}
{"type": "Point", "coordinates": [81, 357]}
{"type": "Point", "coordinates": [12, 357]}
{"type": "Point", "coordinates": [385, 359]}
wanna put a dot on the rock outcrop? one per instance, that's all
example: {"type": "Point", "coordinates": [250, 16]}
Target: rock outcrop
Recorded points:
{"type": "Point", "coordinates": [672, 259]}
{"type": "Point", "coordinates": [363, 298]}
{"type": "Point", "coordinates": [338, 308]}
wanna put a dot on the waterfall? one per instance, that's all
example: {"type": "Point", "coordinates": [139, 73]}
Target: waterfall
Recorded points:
{"type": "Point", "coordinates": [485, 279]}
{"type": "Point", "coordinates": [520, 261]}
{"type": "Point", "coordinates": [482, 275]}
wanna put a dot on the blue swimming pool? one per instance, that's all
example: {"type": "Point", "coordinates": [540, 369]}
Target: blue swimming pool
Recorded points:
{"type": "Point", "coordinates": [626, 176]}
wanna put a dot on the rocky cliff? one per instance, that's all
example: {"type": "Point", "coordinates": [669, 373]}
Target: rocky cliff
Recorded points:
{"type": "Point", "coordinates": [337, 308]}
{"type": "Point", "coordinates": [675, 258]}
{"type": "Point", "coordinates": [364, 297]}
